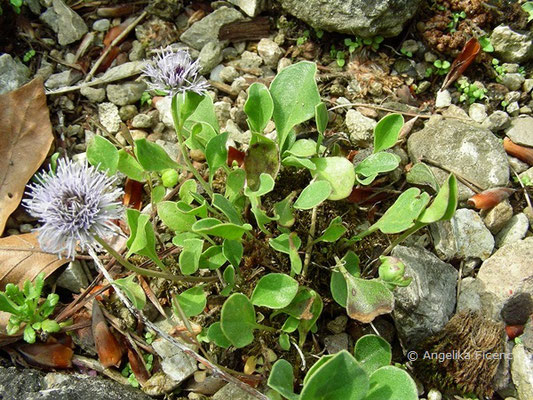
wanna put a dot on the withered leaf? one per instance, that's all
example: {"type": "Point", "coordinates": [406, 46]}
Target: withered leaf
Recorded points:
{"type": "Point", "coordinates": [21, 258]}
{"type": "Point", "coordinates": [107, 346]}
{"type": "Point", "coordinates": [25, 138]}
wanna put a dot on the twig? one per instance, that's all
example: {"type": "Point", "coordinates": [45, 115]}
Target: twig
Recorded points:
{"type": "Point", "coordinates": [310, 238]}
{"type": "Point", "coordinates": [113, 44]}
{"type": "Point", "coordinates": [215, 370]}
{"type": "Point", "coordinates": [471, 185]}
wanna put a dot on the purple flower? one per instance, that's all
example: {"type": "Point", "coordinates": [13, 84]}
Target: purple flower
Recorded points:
{"type": "Point", "coordinates": [73, 206]}
{"type": "Point", "coordinates": [175, 72]}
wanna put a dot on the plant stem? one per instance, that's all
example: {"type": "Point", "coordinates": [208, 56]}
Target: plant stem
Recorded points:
{"type": "Point", "coordinates": [148, 272]}
{"type": "Point", "coordinates": [215, 370]}
{"type": "Point", "coordinates": [266, 328]}
{"type": "Point", "coordinates": [309, 246]}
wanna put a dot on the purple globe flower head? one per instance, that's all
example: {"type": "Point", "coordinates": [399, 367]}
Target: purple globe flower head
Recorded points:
{"type": "Point", "coordinates": [73, 206]}
{"type": "Point", "coordinates": [175, 72]}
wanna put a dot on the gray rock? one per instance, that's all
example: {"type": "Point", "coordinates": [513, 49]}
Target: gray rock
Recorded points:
{"type": "Point", "coordinates": [496, 218]}
{"type": "Point", "coordinates": [513, 81]}
{"type": "Point", "coordinates": [284, 63]}
{"type": "Point", "coordinates": [521, 131]}
{"type": "Point", "coordinates": [142, 121]}
{"type": "Point", "coordinates": [174, 362]}
{"type": "Point", "coordinates": [93, 94]}
{"type": "Point", "coordinates": [336, 343]}
{"type": "Point", "coordinates": [513, 108]}
{"type": "Point", "coordinates": [127, 112]}
{"type": "Point", "coordinates": [73, 278]}
{"type": "Point", "coordinates": [13, 74]}
{"type": "Point", "coordinates": [426, 305]}
{"type": "Point", "coordinates": [355, 17]}
{"type": "Point", "coordinates": [109, 117]}
{"type": "Point", "coordinates": [497, 121]}
{"type": "Point", "coordinates": [522, 371]}
{"type": "Point", "coordinates": [29, 384]}
{"type": "Point", "coordinates": [507, 272]}
{"type": "Point", "coordinates": [250, 7]}
{"type": "Point", "coordinates": [510, 45]}
{"type": "Point", "coordinates": [121, 71]}
{"type": "Point", "coordinates": [515, 229]}
{"type": "Point", "coordinates": [62, 79]}
{"type": "Point", "coordinates": [45, 70]}
{"type": "Point", "coordinates": [473, 152]}
{"type": "Point", "coordinates": [528, 85]}
{"type": "Point", "coordinates": [222, 112]}
{"type": "Point", "coordinates": [444, 99]}
{"type": "Point", "coordinates": [210, 56]}
{"type": "Point", "coordinates": [478, 112]}
{"type": "Point", "coordinates": [206, 30]}
{"type": "Point", "coordinates": [68, 25]}
{"type": "Point", "coordinates": [517, 165]}
{"type": "Point", "coordinates": [101, 25]}
{"type": "Point", "coordinates": [233, 392]}
{"type": "Point", "coordinates": [125, 93]}
{"type": "Point", "coordinates": [512, 96]}
{"type": "Point", "coordinates": [165, 116]}
{"type": "Point", "coordinates": [360, 128]}
{"type": "Point", "coordinates": [410, 45]}
{"type": "Point", "coordinates": [338, 325]}
{"type": "Point", "coordinates": [236, 134]}
{"type": "Point", "coordinates": [270, 52]}
{"type": "Point", "coordinates": [247, 61]}
{"type": "Point", "coordinates": [464, 236]}
{"type": "Point", "coordinates": [172, 149]}
{"type": "Point", "coordinates": [228, 74]}
{"type": "Point", "coordinates": [214, 75]}
{"type": "Point", "coordinates": [137, 51]}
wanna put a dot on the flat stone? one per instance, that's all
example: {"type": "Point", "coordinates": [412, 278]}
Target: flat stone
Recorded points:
{"type": "Point", "coordinates": [513, 81]}
{"type": "Point", "coordinates": [62, 79]}
{"type": "Point", "coordinates": [68, 25]}
{"type": "Point", "coordinates": [101, 25]}
{"type": "Point", "coordinates": [510, 45]}
{"type": "Point", "coordinates": [444, 99]}
{"type": "Point", "coordinates": [125, 93]}
{"type": "Point", "coordinates": [336, 343]}
{"type": "Point", "coordinates": [522, 371]}
{"type": "Point", "coordinates": [473, 152]}
{"type": "Point", "coordinates": [210, 56]}
{"type": "Point", "coordinates": [13, 74]}
{"type": "Point", "coordinates": [73, 278]}
{"type": "Point", "coordinates": [270, 52]}
{"type": "Point", "coordinates": [521, 131]}
{"type": "Point", "coordinates": [109, 117]}
{"type": "Point", "coordinates": [93, 94]}
{"type": "Point", "coordinates": [250, 7]}
{"type": "Point", "coordinates": [174, 362]}
{"type": "Point", "coordinates": [206, 30]}
{"type": "Point", "coordinates": [497, 121]}
{"type": "Point", "coordinates": [478, 112]}
{"type": "Point", "coordinates": [506, 273]}
{"type": "Point", "coordinates": [515, 229]}
{"type": "Point", "coordinates": [496, 218]}
{"type": "Point", "coordinates": [425, 306]}
{"type": "Point", "coordinates": [142, 121]}
{"type": "Point", "coordinates": [360, 128]}
{"type": "Point", "coordinates": [233, 392]}
{"type": "Point", "coordinates": [247, 61]}
{"type": "Point", "coordinates": [228, 74]}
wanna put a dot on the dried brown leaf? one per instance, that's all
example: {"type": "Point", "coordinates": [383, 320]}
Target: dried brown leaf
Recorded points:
{"type": "Point", "coordinates": [25, 138]}
{"type": "Point", "coordinates": [21, 258]}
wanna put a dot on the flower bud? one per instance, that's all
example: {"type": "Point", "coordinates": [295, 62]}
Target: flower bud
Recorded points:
{"type": "Point", "coordinates": [391, 269]}
{"type": "Point", "coordinates": [169, 177]}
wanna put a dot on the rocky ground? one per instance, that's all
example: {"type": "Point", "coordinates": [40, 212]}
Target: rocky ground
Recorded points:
{"type": "Point", "coordinates": [480, 260]}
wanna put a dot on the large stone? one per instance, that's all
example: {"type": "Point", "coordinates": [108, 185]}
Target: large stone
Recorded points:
{"type": "Point", "coordinates": [68, 25]}
{"type": "Point", "coordinates": [464, 236]}
{"type": "Point", "coordinates": [506, 273]}
{"type": "Point", "coordinates": [522, 372]}
{"type": "Point", "coordinates": [125, 93]}
{"type": "Point", "coordinates": [206, 30]}
{"type": "Point", "coordinates": [364, 18]}
{"type": "Point", "coordinates": [521, 131]}
{"type": "Point", "coordinates": [13, 74]}
{"type": "Point", "coordinates": [210, 56]}
{"type": "Point", "coordinates": [29, 384]}
{"type": "Point", "coordinates": [174, 362]}
{"type": "Point", "coordinates": [425, 306]}
{"type": "Point", "coordinates": [512, 46]}
{"type": "Point", "coordinates": [515, 229]}
{"type": "Point", "coordinates": [473, 152]}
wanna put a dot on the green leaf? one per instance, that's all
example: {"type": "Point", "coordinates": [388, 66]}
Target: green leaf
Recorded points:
{"type": "Point", "coordinates": [216, 153]}
{"type": "Point", "coordinates": [311, 316]}
{"type": "Point", "coordinates": [386, 132]}
{"type": "Point", "coordinates": [375, 164]}
{"type": "Point", "coordinates": [291, 161]}
{"type": "Point", "coordinates": [295, 96]}
{"type": "Point", "coordinates": [284, 342]}
{"type": "Point", "coordinates": [274, 291]}
{"type": "Point", "coordinates": [266, 185]}
{"type": "Point", "coordinates": [212, 226]}
{"type": "Point", "coordinates": [313, 195]}
{"type": "Point", "coordinates": [372, 352]}
{"type": "Point", "coordinates": [290, 325]}
{"type": "Point", "coordinates": [235, 184]}
{"type": "Point", "coordinates": [188, 187]}
{"type": "Point", "coordinates": [189, 258]}
{"type": "Point", "coordinates": [281, 243]}
{"type": "Point", "coordinates": [102, 154]}
{"type": "Point", "coordinates": [322, 119]}
{"type": "Point", "coordinates": [339, 172]}
{"type": "Point", "coordinates": [233, 251]}
{"type": "Point", "coordinates": [142, 237]}
{"type": "Point", "coordinates": [421, 174]}
{"type": "Point", "coordinates": [158, 193]}
{"type": "Point", "coordinates": [338, 286]}
{"type": "Point", "coordinates": [29, 334]}
{"type": "Point", "coordinates": [237, 320]}
{"type": "Point", "coordinates": [321, 361]}
{"type": "Point", "coordinates": [258, 107]}
{"type": "Point", "coordinates": [129, 166]}
{"type": "Point", "coordinates": [366, 298]}
{"type": "Point", "coordinates": [224, 205]}
{"type": "Point", "coordinates": [192, 301]}
{"type": "Point", "coordinates": [183, 106]}
{"type": "Point", "coordinates": [393, 383]}
{"type": "Point", "coordinates": [7, 305]}
{"type": "Point", "coordinates": [48, 305]}
{"type": "Point", "coordinates": [205, 114]}
{"type": "Point", "coordinates": [153, 157]}
{"type": "Point", "coordinates": [281, 379]}
{"type": "Point", "coordinates": [173, 218]}
{"type": "Point", "coordinates": [133, 291]}
{"type": "Point", "coordinates": [201, 134]}
{"type": "Point", "coordinates": [261, 158]}
{"type": "Point", "coordinates": [212, 258]}
{"type": "Point", "coordinates": [333, 232]}
{"type": "Point", "coordinates": [283, 210]}
{"type": "Point", "coordinates": [303, 148]}
{"type": "Point", "coordinates": [341, 377]}
{"type": "Point", "coordinates": [444, 204]}
{"type": "Point", "coordinates": [215, 334]}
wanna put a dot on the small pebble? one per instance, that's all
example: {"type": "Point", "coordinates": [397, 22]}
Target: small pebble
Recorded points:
{"type": "Point", "coordinates": [101, 25]}
{"type": "Point", "coordinates": [26, 228]}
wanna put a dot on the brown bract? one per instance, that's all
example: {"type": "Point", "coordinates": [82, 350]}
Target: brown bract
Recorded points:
{"type": "Point", "coordinates": [25, 138]}
{"type": "Point", "coordinates": [21, 258]}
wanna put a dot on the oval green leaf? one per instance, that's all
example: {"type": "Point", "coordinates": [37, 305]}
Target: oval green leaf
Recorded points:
{"type": "Point", "coordinates": [372, 352]}
{"type": "Point", "coordinates": [386, 132]}
{"type": "Point", "coordinates": [391, 383]}
{"type": "Point", "coordinates": [274, 291]}
{"type": "Point", "coordinates": [258, 107]}
{"type": "Point", "coordinates": [237, 320]}
{"type": "Point", "coordinates": [340, 174]}
{"type": "Point", "coordinates": [314, 194]}
{"type": "Point", "coordinates": [192, 301]}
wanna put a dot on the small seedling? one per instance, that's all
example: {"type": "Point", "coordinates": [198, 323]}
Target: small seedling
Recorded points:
{"type": "Point", "coordinates": [470, 92]}
{"type": "Point", "coordinates": [528, 8]}
{"type": "Point", "coordinates": [442, 67]}
{"type": "Point", "coordinates": [28, 55]}
{"type": "Point", "coordinates": [456, 17]}
{"type": "Point", "coordinates": [302, 39]}
{"type": "Point", "coordinates": [486, 45]}
{"type": "Point", "coordinates": [373, 42]}
{"type": "Point", "coordinates": [319, 33]}
{"type": "Point", "coordinates": [353, 44]}
{"type": "Point", "coordinates": [406, 52]}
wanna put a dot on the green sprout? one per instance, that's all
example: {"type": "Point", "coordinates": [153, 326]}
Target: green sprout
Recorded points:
{"type": "Point", "coordinates": [442, 67]}
{"type": "Point", "coordinates": [528, 8]}
{"type": "Point", "coordinates": [28, 55]}
{"type": "Point", "coordinates": [485, 44]}
{"type": "Point", "coordinates": [470, 92]}
{"type": "Point", "coordinates": [456, 17]}
{"type": "Point", "coordinates": [128, 373]}
{"type": "Point", "coordinates": [353, 44]}
{"type": "Point", "coordinates": [373, 42]}
{"type": "Point", "coordinates": [302, 39]}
